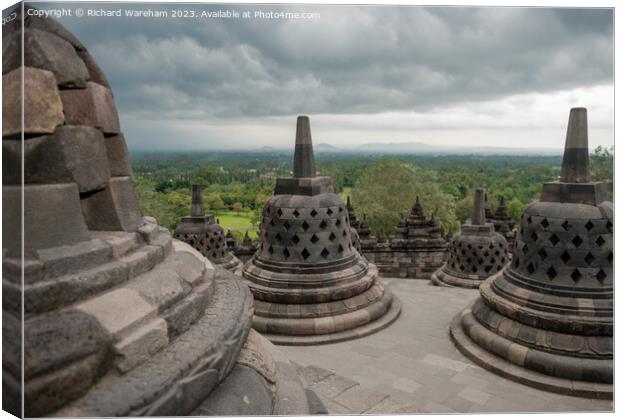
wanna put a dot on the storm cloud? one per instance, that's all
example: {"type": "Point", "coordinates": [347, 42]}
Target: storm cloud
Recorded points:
{"type": "Point", "coordinates": [352, 61]}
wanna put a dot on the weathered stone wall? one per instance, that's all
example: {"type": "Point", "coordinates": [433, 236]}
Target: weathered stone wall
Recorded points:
{"type": "Point", "coordinates": [397, 261]}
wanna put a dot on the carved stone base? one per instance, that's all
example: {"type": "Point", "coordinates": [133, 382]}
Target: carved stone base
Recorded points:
{"type": "Point", "coordinates": [443, 278]}
{"type": "Point", "coordinates": [511, 366]}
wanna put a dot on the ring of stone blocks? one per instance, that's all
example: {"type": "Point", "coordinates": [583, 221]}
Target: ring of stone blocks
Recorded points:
{"type": "Point", "coordinates": [508, 367]}
{"type": "Point", "coordinates": [62, 275]}
{"type": "Point", "coordinates": [275, 275]}
{"type": "Point", "coordinates": [314, 310]}
{"type": "Point", "coordinates": [294, 325]}
{"type": "Point", "coordinates": [575, 368]}
{"type": "Point", "coordinates": [518, 288]}
{"type": "Point", "coordinates": [574, 345]}
{"type": "Point", "coordinates": [479, 256]}
{"type": "Point", "coordinates": [158, 303]}
{"type": "Point", "coordinates": [566, 252]}
{"type": "Point", "coordinates": [543, 316]}
{"type": "Point", "coordinates": [442, 277]}
{"type": "Point", "coordinates": [314, 295]}
{"type": "Point", "coordinates": [72, 287]}
{"type": "Point", "coordinates": [209, 347]}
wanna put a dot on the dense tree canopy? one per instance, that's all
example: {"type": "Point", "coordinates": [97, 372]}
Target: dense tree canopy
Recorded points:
{"type": "Point", "coordinates": [388, 189]}
{"type": "Point", "coordinates": [380, 186]}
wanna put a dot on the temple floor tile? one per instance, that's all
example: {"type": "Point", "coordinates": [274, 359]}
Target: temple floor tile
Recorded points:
{"type": "Point", "coordinates": [413, 366]}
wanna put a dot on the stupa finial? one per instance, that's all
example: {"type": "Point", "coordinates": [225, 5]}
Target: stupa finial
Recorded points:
{"type": "Point", "coordinates": [575, 164]}
{"type": "Point", "coordinates": [303, 163]}
{"type": "Point", "coordinates": [197, 206]}
{"type": "Point", "coordinates": [477, 217]}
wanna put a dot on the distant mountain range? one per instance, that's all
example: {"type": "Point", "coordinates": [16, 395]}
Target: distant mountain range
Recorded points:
{"type": "Point", "coordinates": [423, 148]}
{"type": "Point", "coordinates": [409, 148]}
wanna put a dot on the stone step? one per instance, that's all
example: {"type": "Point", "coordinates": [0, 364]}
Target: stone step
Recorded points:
{"type": "Point", "coordinates": [62, 291]}
{"type": "Point", "coordinates": [183, 373]}
{"type": "Point", "coordinates": [330, 393]}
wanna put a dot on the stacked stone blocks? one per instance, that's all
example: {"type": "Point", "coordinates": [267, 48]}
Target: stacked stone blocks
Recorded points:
{"type": "Point", "coordinates": [119, 318]}
{"type": "Point", "coordinates": [547, 319]}
{"type": "Point", "coordinates": [415, 251]}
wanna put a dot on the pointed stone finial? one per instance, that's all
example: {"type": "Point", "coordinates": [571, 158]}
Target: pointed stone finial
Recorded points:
{"type": "Point", "coordinates": [197, 206]}
{"type": "Point", "coordinates": [217, 220]}
{"type": "Point", "coordinates": [303, 162]}
{"type": "Point", "coordinates": [349, 206]}
{"type": "Point", "coordinates": [502, 201]}
{"type": "Point", "coordinates": [575, 164]}
{"type": "Point", "coordinates": [477, 217]}
{"type": "Point", "coordinates": [417, 200]}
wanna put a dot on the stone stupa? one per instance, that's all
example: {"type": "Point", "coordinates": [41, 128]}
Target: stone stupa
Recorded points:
{"type": "Point", "coordinates": [418, 239]}
{"type": "Point", "coordinates": [488, 213]}
{"type": "Point", "coordinates": [354, 223]}
{"type": "Point", "coordinates": [503, 223]}
{"type": "Point", "coordinates": [201, 231]}
{"type": "Point", "coordinates": [119, 318]}
{"type": "Point", "coordinates": [246, 249]}
{"type": "Point", "coordinates": [547, 319]}
{"type": "Point", "coordinates": [310, 284]}
{"type": "Point", "coordinates": [474, 254]}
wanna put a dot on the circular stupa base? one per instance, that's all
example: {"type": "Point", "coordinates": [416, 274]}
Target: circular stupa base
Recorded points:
{"type": "Point", "coordinates": [263, 382]}
{"type": "Point", "coordinates": [441, 278]}
{"type": "Point", "coordinates": [388, 317]}
{"type": "Point", "coordinates": [509, 368]}
{"type": "Point", "coordinates": [231, 263]}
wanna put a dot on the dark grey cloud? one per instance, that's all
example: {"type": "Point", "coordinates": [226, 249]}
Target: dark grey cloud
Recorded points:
{"type": "Point", "coordinates": [352, 60]}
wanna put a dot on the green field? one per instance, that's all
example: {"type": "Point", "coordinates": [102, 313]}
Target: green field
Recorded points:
{"type": "Point", "coordinates": [240, 223]}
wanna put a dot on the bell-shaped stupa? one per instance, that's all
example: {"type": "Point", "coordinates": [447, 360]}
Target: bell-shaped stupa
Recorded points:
{"type": "Point", "coordinates": [117, 318]}
{"type": "Point", "coordinates": [503, 223]}
{"type": "Point", "coordinates": [474, 254]}
{"type": "Point", "coordinates": [309, 282]}
{"type": "Point", "coordinates": [547, 319]}
{"type": "Point", "coordinates": [201, 231]}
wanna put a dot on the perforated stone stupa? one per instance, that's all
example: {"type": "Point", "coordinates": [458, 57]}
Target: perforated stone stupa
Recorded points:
{"type": "Point", "coordinates": [474, 254]}
{"type": "Point", "coordinates": [547, 319]}
{"type": "Point", "coordinates": [201, 231]}
{"type": "Point", "coordinates": [120, 319]}
{"type": "Point", "coordinates": [309, 282]}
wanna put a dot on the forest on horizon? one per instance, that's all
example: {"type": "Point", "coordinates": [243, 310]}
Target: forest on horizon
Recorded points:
{"type": "Point", "coordinates": [236, 185]}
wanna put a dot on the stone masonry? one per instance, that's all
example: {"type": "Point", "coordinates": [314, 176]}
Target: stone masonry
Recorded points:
{"type": "Point", "coordinates": [201, 231]}
{"type": "Point", "coordinates": [546, 320]}
{"type": "Point", "coordinates": [119, 318]}
{"type": "Point", "coordinates": [309, 282]}
{"type": "Point", "coordinates": [475, 254]}
{"type": "Point", "coordinates": [415, 251]}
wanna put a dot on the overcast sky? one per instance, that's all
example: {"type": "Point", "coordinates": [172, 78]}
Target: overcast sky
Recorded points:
{"type": "Point", "coordinates": [449, 76]}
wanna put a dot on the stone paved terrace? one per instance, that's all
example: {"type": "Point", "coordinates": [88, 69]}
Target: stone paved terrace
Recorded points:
{"type": "Point", "coordinates": [414, 363]}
